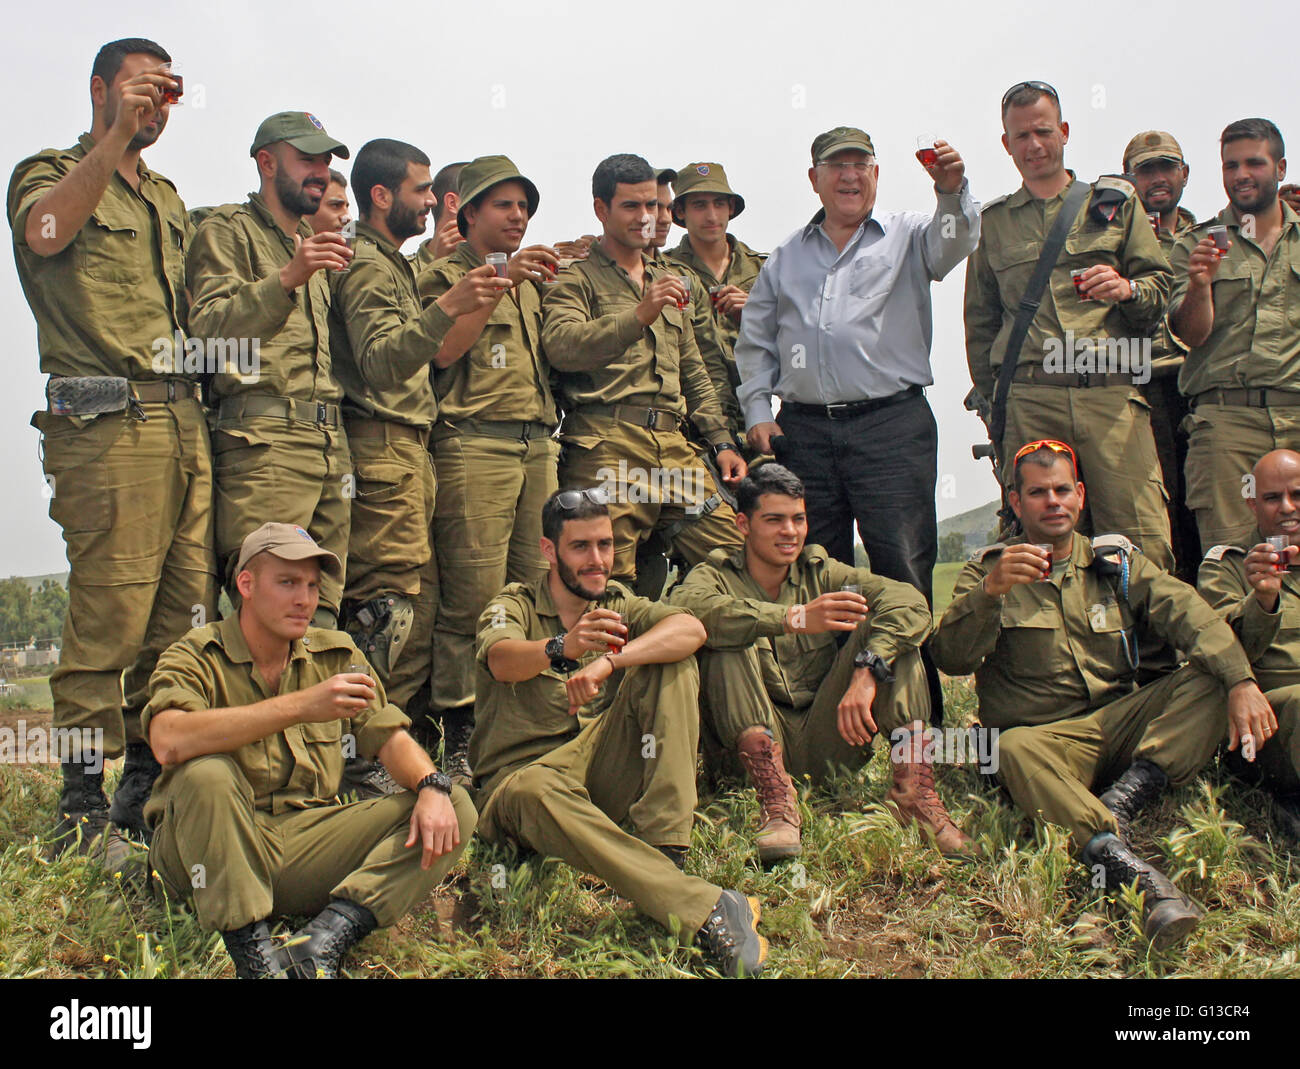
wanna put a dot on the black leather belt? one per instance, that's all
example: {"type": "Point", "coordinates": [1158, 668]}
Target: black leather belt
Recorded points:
{"type": "Point", "coordinates": [850, 409]}
{"type": "Point", "coordinates": [1038, 375]}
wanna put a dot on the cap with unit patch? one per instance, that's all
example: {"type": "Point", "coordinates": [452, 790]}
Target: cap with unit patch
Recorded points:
{"type": "Point", "coordinates": [837, 140]}
{"type": "Point", "coordinates": [287, 541]}
{"type": "Point", "coordinates": [1151, 145]}
{"type": "Point", "coordinates": [302, 130]}
{"type": "Point", "coordinates": [704, 178]}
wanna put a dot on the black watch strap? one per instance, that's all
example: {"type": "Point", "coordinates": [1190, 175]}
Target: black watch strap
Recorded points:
{"type": "Point", "coordinates": [875, 665]}
{"type": "Point", "coordinates": [555, 651]}
{"type": "Point", "coordinates": [721, 446]}
{"type": "Point", "coordinates": [439, 781]}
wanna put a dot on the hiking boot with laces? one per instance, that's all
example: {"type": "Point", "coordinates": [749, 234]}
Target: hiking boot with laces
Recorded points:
{"type": "Point", "coordinates": [1168, 915]}
{"type": "Point", "coordinates": [457, 727]}
{"type": "Point", "coordinates": [1132, 792]}
{"type": "Point", "coordinates": [82, 809]}
{"type": "Point", "coordinates": [778, 803]}
{"type": "Point", "coordinates": [730, 935]}
{"type": "Point", "coordinates": [913, 797]}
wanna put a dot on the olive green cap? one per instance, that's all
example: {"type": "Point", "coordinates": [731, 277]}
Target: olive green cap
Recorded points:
{"type": "Point", "coordinates": [301, 129]}
{"type": "Point", "coordinates": [705, 178]}
{"type": "Point", "coordinates": [287, 541]}
{"type": "Point", "coordinates": [1151, 145]}
{"type": "Point", "coordinates": [842, 137]}
{"type": "Point", "coordinates": [480, 175]}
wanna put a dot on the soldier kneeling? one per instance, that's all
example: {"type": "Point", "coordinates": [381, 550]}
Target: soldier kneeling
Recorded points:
{"type": "Point", "coordinates": [248, 718]}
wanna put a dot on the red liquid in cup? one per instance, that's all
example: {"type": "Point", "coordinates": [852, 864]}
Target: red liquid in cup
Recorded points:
{"type": "Point", "coordinates": [1077, 278]}
{"type": "Point", "coordinates": [927, 156]}
{"type": "Point", "coordinates": [173, 96]}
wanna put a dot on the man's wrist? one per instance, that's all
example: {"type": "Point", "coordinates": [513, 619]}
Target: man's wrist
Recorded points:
{"type": "Point", "coordinates": [438, 781]}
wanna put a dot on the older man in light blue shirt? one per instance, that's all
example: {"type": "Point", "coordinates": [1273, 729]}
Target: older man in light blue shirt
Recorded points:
{"type": "Point", "coordinates": [838, 326]}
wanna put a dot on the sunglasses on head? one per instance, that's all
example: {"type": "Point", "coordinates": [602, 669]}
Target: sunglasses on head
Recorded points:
{"type": "Point", "coordinates": [1042, 87]}
{"type": "Point", "coordinates": [569, 500]}
{"type": "Point", "coordinates": [1053, 445]}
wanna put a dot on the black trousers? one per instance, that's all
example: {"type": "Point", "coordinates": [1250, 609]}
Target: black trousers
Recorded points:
{"type": "Point", "coordinates": [878, 470]}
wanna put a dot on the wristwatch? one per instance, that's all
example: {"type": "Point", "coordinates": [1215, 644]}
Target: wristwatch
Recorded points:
{"type": "Point", "coordinates": [439, 781]}
{"type": "Point", "coordinates": [724, 445]}
{"type": "Point", "coordinates": [555, 651]}
{"type": "Point", "coordinates": [875, 664]}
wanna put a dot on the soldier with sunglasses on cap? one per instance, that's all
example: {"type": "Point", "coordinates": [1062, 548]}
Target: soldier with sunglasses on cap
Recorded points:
{"type": "Point", "coordinates": [1051, 623]}
{"type": "Point", "coordinates": [587, 719]}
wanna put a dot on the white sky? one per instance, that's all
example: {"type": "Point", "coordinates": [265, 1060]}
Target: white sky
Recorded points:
{"type": "Point", "coordinates": [552, 85]}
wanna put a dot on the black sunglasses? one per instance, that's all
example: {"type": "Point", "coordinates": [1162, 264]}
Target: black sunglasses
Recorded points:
{"type": "Point", "coordinates": [1042, 87]}
{"type": "Point", "coordinates": [568, 500]}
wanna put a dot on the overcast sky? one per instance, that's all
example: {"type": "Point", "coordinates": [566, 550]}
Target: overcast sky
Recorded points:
{"type": "Point", "coordinates": [557, 86]}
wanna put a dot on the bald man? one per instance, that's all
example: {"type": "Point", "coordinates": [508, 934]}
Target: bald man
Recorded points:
{"type": "Point", "coordinates": [1257, 590]}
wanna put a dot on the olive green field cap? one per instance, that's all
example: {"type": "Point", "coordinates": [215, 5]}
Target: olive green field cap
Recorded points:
{"type": "Point", "coordinates": [842, 137]}
{"type": "Point", "coordinates": [1151, 145]}
{"type": "Point", "coordinates": [482, 174]}
{"type": "Point", "coordinates": [302, 130]}
{"type": "Point", "coordinates": [704, 178]}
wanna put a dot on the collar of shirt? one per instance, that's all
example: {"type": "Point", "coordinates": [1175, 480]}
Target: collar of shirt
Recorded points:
{"type": "Point", "coordinates": [808, 556]}
{"type": "Point", "coordinates": [87, 143]}
{"type": "Point", "coordinates": [1022, 196]}
{"type": "Point", "coordinates": [230, 637]}
{"type": "Point", "coordinates": [1228, 218]}
{"type": "Point", "coordinates": [385, 246]}
{"type": "Point", "coordinates": [466, 254]}
{"type": "Point", "coordinates": [815, 226]}
{"type": "Point", "coordinates": [685, 251]}
{"type": "Point", "coordinates": [259, 208]}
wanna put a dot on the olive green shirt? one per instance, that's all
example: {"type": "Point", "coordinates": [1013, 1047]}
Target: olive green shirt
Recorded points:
{"type": "Point", "coordinates": [504, 374]}
{"type": "Point", "coordinates": [603, 355]}
{"type": "Point", "coordinates": [516, 723]}
{"type": "Point", "coordinates": [1012, 232]}
{"type": "Point", "coordinates": [1255, 340]}
{"type": "Point", "coordinates": [716, 333]}
{"type": "Point", "coordinates": [1047, 651]}
{"type": "Point", "coordinates": [382, 343]}
{"type": "Point", "coordinates": [1167, 350]}
{"type": "Point", "coordinates": [737, 614]}
{"type": "Point", "coordinates": [234, 271]}
{"type": "Point", "coordinates": [297, 768]}
{"type": "Point", "coordinates": [103, 303]}
{"type": "Point", "coordinates": [1271, 639]}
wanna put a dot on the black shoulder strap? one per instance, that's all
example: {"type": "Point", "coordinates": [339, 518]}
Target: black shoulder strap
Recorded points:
{"type": "Point", "coordinates": [1029, 303]}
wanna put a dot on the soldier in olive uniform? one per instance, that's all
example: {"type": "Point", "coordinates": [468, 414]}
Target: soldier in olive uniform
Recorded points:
{"type": "Point", "coordinates": [383, 346]}
{"type": "Point", "coordinates": [586, 719]}
{"type": "Point", "coordinates": [1083, 359]}
{"type": "Point", "coordinates": [257, 273]}
{"type": "Point", "coordinates": [334, 210]}
{"type": "Point", "coordinates": [446, 230]}
{"type": "Point", "coordinates": [99, 243]}
{"type": "Point", "coordinates": [1154, 164]}
{"type": "Point", "coordinates": [493, 445]}
{"type": "Point", "coordinates": [248, 717]}
{"type": "Point", "coordinates": [773, 686]}
{"type": "Point", "coordinates": [617, 329]}
{"type": "Point", "coordinates": [663, 214]}
{"type": "Point", "coordinates": [725, 270]}
{"type": "Point", "coordinates": [1251, 585]}
{"type": "Point", "coordinates": [1052, 636]}
{"type": "Point", "coordinates": [1238, 313]}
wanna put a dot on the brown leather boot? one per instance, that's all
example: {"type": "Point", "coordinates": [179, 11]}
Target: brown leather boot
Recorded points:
{"type": "Point", "coordinates": [778, 837]}
{"type": "Point", "coordinates": [913, 797]}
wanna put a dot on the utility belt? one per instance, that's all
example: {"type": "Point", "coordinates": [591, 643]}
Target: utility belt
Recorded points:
{"type": "Point", "coordinates": [1261, 398]}
{"type": "Point", "coordinates": [389, 430]}
{"type": "Point", "coordinates": [851, 409]}
{"type": "Point", "coordinates": [94, 395]}
{"type": "Point", "coordinates": [652, 419]}
{"type": "Point", "coordinates": [513, 430]}
{"type": "Point", "coordinates": [290, 408]}
{"type": "Point", "coordinates": [1038, 375]}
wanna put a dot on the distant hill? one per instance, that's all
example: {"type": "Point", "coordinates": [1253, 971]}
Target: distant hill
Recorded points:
{"type": "Point", "coordinates": [35, 581]}
{"type": "Point", "coordinates": [978, 521]}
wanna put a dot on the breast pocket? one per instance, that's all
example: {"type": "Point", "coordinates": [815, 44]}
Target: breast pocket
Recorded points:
{"type": "Point", "coordinates": [1012, 264]}
{"type": "Point", "coordinates": [869, 278]}
{"type": "Point", "coordinates": [111, 247]}
{"type": "Point", "coordinates": [1293, 297]}
{"type": "Point", "coordinates": [1234, 295]}
{"type": "Point", "coordinates": [1034, 637]}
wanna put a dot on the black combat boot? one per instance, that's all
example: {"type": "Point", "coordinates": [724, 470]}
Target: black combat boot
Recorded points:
{"type": "Point", "coordinates": [133, 790]}
{"type": "Point", "coordinates": [83, 810]}
{"type": "Point", "coordinates": [457, 727]}
{"type": "Point", "coordinates": [367, 779]}
{"type": "Point", "coordinates": [317, 950]}
{"type": "Point", "coordinates": [255, 954]}
{"type": "Point", "coordinates": [1133, 792]}
{"type": "Point", "coordinates": [1168, 915]}
{"type": "Point", "coordinates": [730, 935]}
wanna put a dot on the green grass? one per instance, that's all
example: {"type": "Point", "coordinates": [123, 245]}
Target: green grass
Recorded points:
{"type": "Point", "coordinates": [867, 898]}
{"type": "Point", "coordinates": [945, 578]}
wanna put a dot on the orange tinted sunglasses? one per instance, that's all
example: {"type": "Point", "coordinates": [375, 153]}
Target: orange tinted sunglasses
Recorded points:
{"type": "Point", "coordinates": [1054, 446]}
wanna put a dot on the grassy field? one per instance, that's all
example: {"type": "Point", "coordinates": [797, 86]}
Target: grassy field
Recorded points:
{"type": "Point", "coordinates": [867, 898]}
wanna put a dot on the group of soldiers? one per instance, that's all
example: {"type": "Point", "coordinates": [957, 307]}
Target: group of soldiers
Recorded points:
{"type": "Point", "coordinates": [447, 489]}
